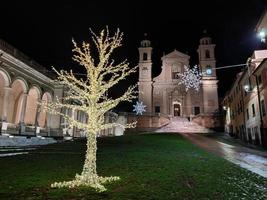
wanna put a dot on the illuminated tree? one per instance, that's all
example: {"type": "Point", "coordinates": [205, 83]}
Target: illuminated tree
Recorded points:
{"type": "Point", "coordinates": [90, 97]}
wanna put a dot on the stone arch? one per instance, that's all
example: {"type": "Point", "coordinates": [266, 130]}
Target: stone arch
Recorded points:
{"type": "Point", "coordinates": [5, 76]}
{"type": "Point", "coordinates": [23, 83]}
{"type": "Point", "coordinates": [33, 97]}
{"type": "Point", "coordinates": [177, 108]}
{"type": "Point", "coordinates": [44, 117]}
{"type": "Point", "coordinates": [38, 88]}
{"type": "Point", "coordinates": [18, 90]}
{"type": "Point", "coordinates": [4, 82]}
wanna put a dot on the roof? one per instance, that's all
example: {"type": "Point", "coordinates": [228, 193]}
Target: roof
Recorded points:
{"type": "Point", "coordinates": [262, 23]}
{"type": "Point", "coordinates": [9, 49]}
{"type": "Point", "coordinates": [259, 66]}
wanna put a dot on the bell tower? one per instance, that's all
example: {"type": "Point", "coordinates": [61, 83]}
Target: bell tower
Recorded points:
{"type": "Point", "coordinates": [145, 74]}
{"type": "Point", "coordinates": [207, 64]}
{"type": "Point", "coordinates": [206, 56]}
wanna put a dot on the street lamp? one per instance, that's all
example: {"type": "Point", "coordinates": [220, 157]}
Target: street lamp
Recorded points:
{"type": "Point", "coordinates": [246, 88]}
{"type": "Point", "coordinates": [262, 36]}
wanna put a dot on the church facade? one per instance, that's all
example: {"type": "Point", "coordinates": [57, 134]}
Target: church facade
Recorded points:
{"type": "Point", "coordinates": [163, 94]}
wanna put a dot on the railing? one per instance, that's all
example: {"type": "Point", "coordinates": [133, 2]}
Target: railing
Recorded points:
{"type": "Point", "coordinates": [24, 58]}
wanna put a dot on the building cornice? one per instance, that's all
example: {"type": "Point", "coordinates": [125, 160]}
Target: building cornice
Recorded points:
{"type": "Point", "coordinates": [23, 69]}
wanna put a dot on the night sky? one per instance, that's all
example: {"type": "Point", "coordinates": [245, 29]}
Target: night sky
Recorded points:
{"type": "Point", "coordinates": [43, 30]}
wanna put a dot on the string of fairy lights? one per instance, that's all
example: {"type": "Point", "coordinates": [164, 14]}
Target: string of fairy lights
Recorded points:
{"type": "Point", "coordinates": [190, 78]}
{"type": "Point", "coordinates": [217, 68]}
{"type": "Point", "coordinates": [91, 90]}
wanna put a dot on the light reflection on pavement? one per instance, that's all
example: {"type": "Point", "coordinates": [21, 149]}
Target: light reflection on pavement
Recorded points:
{"type": "Point", "coordinates": [251, 159]}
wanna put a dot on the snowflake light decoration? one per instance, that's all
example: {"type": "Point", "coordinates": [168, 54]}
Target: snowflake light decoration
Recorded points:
{"type": "Point", "coordinates": [190, 78]}
{"type": "Point", "coordinates": [139, 108]}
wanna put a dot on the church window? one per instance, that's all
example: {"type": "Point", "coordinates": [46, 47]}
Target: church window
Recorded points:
{"type": "Point", "coordinates": [175, 75]}
{"type": "Point", "coordinates": [259, 80]}
{"type": "Point", "coordinates": [157, 109]}
{"type": "Point", "coordinates": [144, 56]}
{"type": "Point", "coordinates": [253, 110]}
{"type": "Point", "coordinates": [207, 54]}
{"type": "Point", "coordinates": [263, 107]}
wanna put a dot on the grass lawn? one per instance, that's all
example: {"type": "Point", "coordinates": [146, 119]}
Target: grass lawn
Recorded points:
{"type": "Point", "coordinates": [153, 166]}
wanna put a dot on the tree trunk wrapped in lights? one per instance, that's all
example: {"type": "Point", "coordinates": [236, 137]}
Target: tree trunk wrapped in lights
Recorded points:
{"type": "Point", "coordinates": [90, 96]}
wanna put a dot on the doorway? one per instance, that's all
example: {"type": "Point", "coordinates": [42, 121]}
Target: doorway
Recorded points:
{"type": "Point", "coordinates": [196, 110]}
{"type": "Point", "coordinates": [177, 109]}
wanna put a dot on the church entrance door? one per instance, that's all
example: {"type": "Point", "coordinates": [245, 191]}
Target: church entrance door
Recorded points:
{"type": "Point", "coordinates": [176, 110]}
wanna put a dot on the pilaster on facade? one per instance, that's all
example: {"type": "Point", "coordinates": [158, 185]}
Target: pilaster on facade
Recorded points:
{"type": "Point", "coordinates": [7, 92]}
{"type": "Point", "coordinates": [23, 108]}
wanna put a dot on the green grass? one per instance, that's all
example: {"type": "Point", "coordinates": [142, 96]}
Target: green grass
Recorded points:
{"type": "Point", "coordinates": [162, 166]}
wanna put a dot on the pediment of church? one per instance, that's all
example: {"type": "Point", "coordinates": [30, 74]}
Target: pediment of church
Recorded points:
{"type": "Point", "coordinates": [175, 54]}
{"type": "Point", "coordinates": [172, 64]}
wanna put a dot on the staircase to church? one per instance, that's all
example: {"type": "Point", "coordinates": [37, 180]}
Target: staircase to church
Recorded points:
{"type": "Point", "coordinates": [182, 125]}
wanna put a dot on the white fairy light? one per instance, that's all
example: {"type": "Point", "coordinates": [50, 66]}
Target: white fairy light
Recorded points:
{"type": "Point", "coordinates": [190, 78]}
{"type": "Point", "coordinates": [139, 108]}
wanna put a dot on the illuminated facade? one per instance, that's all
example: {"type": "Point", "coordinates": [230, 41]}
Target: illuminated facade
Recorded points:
{"type": "Point", "coordinates": [164, 95]}
{"type": "Point", "coordinates": [245, 103]}
{"type": "Point", "coordinates": [23, 83]}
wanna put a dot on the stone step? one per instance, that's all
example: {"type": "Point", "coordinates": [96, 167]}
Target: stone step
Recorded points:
{"type": "Point", "coordinates": [182, 125]}
{"type": "Point", "coordinates": [18, 141]}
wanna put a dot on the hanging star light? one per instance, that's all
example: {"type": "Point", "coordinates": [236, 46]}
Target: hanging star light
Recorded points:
{"type": "Point", "coordinates": [139, 108]}
{"type": "Point", "coordinates": [190, 78]}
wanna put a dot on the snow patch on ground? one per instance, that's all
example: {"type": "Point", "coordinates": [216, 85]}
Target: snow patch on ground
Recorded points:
{"type": "Point", "coordinates": [12, 154]}
{"type": "Point", "coordinates": [255, 158]}
{"type": "Point", "coordinates": [226, 145]}
{"type": "Point", "coordinates": [19, 141]}
{"type": "Point", "coordinates": [15, 149]}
